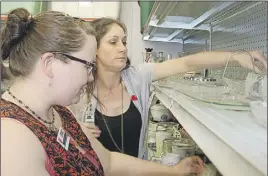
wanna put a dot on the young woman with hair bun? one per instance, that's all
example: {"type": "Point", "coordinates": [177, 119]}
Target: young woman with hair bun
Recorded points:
{"type": "Point", "coordinates": [52, 59]}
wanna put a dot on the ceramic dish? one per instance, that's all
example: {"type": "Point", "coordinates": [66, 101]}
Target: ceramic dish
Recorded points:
{"type": "Point", "coordinates": [160, 113]}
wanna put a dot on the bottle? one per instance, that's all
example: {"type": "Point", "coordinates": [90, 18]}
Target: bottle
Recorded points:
{"type": "Point", "coordinates": [169, 57]}
{"type": "Point", "coordinates": [160, 57]}
{"type": "Point", "coordinates": [148, 55]}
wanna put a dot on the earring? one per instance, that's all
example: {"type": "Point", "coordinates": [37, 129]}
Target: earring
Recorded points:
{"type": "Point", "coordinates": [50, 83]}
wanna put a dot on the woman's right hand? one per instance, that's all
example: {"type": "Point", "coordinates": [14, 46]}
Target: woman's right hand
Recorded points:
{"type": "Point", "coordinates": [92, 128]}
{"type": "Point", "coordinates": [190, 165]}
{"type": "Point", "coordinates": [254, 60]}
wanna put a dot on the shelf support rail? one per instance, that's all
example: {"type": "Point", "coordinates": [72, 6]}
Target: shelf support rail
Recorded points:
{"type": "Point", "coordinates": [202, 18]}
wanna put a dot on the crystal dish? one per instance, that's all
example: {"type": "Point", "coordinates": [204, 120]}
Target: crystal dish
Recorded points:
{"type": "Point", "coordinates": [218, 95]}
{"type": "Point", "coordinates": [259, 110]}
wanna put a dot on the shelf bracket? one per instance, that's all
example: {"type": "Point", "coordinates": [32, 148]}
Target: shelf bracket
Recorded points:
{"type": "Point", "coordinates": [152, 33]}
{"type": "Point", "coordinates": [202, 18]}
{"type": "Point", "coordinates": [174, 34]}
{"type": "Point", "coordinates": [211, 12]}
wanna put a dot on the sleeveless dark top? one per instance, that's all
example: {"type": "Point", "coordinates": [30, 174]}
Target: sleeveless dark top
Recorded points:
{"type": "Point", "coordinates": [80, 159]}
{"type": "Point", "coordinates": [132, 127]}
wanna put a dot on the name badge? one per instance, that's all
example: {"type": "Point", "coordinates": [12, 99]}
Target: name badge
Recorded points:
{"type": "Point", "coordinates": [89, 118]}
{"type": "Point", "coordinates": [88, 115]}
{"type": "Point", "coordinates": [63, 139]}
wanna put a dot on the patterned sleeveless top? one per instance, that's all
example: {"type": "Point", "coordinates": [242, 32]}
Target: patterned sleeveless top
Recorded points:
{"type": "Point", "coordinates": [79, 160]}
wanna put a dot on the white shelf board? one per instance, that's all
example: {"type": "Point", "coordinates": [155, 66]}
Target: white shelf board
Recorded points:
{"type": "Point", "coordinates": [233, 140]}
{"type": "Point", "coordinates": [177, 22]}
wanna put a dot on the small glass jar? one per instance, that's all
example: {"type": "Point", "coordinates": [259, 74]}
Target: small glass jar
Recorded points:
{"type": "Point", "coordinates": [167, 143]}
{"type": "Point", "coordinates": [175, 149]}
{"type": "Point", "coordinates": [170, 159]}
{"type": "Point", "coordinates": [152, 125]}
{"type": "Point", "coordinates": [183, 147]}
{"type": "Point", "coordinates": [164, 130]}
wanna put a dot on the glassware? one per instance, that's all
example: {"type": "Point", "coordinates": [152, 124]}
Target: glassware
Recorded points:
{"type": "Point", "coordinates": [175, 149]}
{"type": "Point", "coordinates": [170, 159]}
{"type": "Point", "coordinates": [164, 130]}
{"type": "Point", "coordinates": [183, 147]}
{"type": "Point", "coordinates": [161, 57]}
{"type": "Point", "coordinates": [263, 90]}
{"type": "Point", "coordinates": [256, 86]}
{"type": "Point", "coordinates": [181, 54]}
{"type": "Point", "coordinates": [147, 56]}
{"type": "Point", "coordinates": [169, 57]}
{"type": "Point", "coordinates": [167, 143]}
{"type": "Point", "coordinates": [210, 170]}
{"type": "Point", "coordinates": [259, 110]}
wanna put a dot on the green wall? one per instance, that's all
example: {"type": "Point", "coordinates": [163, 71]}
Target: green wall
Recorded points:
{"type": "Point", "coordinates": [145, 8]}
{"type": "Point", "coordinates": [32, 7]}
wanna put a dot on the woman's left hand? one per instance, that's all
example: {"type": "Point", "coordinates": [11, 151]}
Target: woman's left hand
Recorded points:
{"type": "Point", "coordinates": [190, 165]}
{"type": "Point", "coordinates": [92, 128]}
{"type": "Point", "coordinates": [254, 60]}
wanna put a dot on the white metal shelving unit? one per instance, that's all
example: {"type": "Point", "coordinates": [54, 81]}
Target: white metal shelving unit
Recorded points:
{"type": "Point", "coordinates": [169, 21]}
{"type": "Point", "coordinates": [232, 140]}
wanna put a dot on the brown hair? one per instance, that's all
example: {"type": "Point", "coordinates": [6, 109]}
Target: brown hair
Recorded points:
{"type": "Point", "coordinates": [103, 25]}
{"type": "Point", "coordinates": [86, 26]}
{"type": "Point", "coordinates": [25, 38]}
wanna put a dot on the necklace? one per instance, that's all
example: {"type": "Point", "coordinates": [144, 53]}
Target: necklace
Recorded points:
{"type": "Point", "coordinates": [122, 125]}
{"type": "Point", "coordinates": [50, 124]}
{"type": "Point", "coordinates": [75, 164]}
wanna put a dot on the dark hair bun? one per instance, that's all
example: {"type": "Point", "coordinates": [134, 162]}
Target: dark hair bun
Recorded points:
{"type": "Point", "coordinates": [16, 28]}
